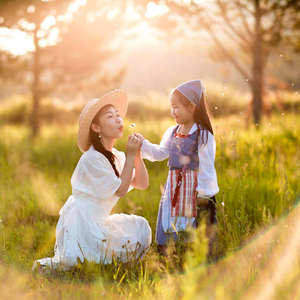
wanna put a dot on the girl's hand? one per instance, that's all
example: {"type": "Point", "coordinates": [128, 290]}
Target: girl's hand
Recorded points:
{"type": "Point", "coordinates": [133, 145]}
{"type": "Point", "coordinates": [202, 201]}
{"type": "Point", "coordinates": [139, 136]}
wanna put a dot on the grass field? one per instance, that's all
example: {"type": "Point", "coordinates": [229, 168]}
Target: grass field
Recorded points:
{"type": "Point", "coordinates": [258, 174]}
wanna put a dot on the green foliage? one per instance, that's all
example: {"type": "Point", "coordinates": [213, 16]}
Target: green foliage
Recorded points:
{"type": "Point", "coordinates": [258, 175]}
{"type": "Point", "coordinates": [152, 106]}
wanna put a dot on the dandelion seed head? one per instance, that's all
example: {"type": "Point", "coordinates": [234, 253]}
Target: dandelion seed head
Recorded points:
{"type": "Point", "coordinates": [132, 125]}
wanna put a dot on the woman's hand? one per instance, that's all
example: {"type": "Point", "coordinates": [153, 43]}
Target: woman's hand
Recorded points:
{"type": "Point", "coordinates": [141, 179]}
{"type": "Point", "coordinates": [141, 139]}
{"type": "Point", "coordinates": [139, 136]}
{"type": "Point", "coordinates": [133, 145]}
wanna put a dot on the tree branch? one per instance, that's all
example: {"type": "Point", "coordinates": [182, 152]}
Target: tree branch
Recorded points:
{"type": "Point", "coordinates": [243, 46]}
{"type": "Point", "coordinates": [229, 24]}
{"type": "Point", "coordinates": [230, 57]}
{"type": "Point", "coordinates": [246, 25]}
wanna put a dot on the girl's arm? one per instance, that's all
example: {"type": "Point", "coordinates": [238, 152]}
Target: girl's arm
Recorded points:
{"type": "Point", "coordinates": [154, 152]}
{"type": "Point", "coordinates": [141, 178]}
{"type": "Point", "coordinates": [132, 148]}
{"type": "Point", "coordinates": [207, 176]}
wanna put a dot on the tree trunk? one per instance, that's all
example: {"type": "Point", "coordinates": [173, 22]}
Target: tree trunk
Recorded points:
{"type": "Point", "coordinates": [35, 89]}
{"type": "Point", "coordinates": [257, 68]}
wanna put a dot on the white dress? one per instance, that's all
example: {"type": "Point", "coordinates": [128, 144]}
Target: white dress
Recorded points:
{"type": "Point", "coordinates": [85, 230]}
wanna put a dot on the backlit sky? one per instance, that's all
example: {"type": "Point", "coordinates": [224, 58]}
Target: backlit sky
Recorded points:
{"type": "Point", "coordinates": [144, 55]}
{"type": "Point", "coordinates": [20, 43]}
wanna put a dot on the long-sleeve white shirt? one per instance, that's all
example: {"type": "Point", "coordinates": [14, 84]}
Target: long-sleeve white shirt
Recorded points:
{"type": "Point", "coordinates": [207, 178]}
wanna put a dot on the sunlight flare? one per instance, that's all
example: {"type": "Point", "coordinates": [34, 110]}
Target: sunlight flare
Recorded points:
{"type": "Point", "coordinates": [154, 10]}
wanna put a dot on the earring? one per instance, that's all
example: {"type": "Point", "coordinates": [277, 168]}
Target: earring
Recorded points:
{"type": "Point", "coordinates": [99, 135]}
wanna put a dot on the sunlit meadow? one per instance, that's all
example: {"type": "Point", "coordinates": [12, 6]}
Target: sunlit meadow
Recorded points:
{"type": "Point", "coordinates": [258, 217]}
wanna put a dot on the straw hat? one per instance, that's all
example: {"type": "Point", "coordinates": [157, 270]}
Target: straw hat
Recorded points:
{"type": "Point", "coordinates": [116, 98]}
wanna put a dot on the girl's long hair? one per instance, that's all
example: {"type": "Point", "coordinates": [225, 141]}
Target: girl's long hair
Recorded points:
{"type": "Point", "coordinates": [201, 116]}
{"type": "Point", "coordinates": [96, 142]}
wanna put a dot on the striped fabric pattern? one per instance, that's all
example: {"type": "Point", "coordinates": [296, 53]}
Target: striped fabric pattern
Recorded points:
{"type": "Point", "coordinates": [186, 205]}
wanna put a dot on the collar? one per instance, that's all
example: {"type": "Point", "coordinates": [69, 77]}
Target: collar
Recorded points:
{"type": "Point", "coordinates": [193, 128]}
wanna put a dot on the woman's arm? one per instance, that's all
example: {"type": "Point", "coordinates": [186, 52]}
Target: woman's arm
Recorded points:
{"type": "Point", "coordinates": [141, 178]}
{"type": "Point", "coordinates": [132, 147]}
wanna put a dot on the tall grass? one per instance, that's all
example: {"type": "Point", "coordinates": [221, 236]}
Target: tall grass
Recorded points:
{"type": "Point", "coordinates": [258, 174]}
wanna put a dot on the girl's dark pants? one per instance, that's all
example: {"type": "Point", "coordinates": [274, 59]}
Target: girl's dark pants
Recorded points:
{"type": "Point", "coordinates": [206, 211]}
{"type": "Point", "coordinates": [209, 213]}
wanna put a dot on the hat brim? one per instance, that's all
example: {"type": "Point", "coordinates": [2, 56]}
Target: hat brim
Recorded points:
{"type": "Point", "coordinates": [116, 98]}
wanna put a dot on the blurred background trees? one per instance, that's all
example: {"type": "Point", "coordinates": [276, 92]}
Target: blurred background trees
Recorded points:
{"type": "Point", "coordinates": [73, 42]}
{"type": "Point", "coordinates": [245, 33]}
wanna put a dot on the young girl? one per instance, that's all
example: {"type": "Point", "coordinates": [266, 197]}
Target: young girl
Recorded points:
{"type": "Point", "coordinates": [192, 179]}
{"type": "Point", "coordinates": [85, 230]}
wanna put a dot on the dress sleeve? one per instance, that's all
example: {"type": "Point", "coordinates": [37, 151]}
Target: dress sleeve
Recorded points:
{"type": "Point", "coordinates": [154, 152]}
{"type": "Point", "coordinates": [96, 177]}
{"type": "Point", "coordinates": [207, 176]}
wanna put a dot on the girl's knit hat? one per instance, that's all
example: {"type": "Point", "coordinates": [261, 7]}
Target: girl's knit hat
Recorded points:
{"type": "Point", "coordinates": [116, 98]}
{"type": "Point", "coordinates": [193, 90]}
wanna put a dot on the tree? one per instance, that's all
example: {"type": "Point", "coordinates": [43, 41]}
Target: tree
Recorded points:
{"type": "Point", "coordinates": [71, 41]}
{"type": "Point", "coordinates": [245, 32]}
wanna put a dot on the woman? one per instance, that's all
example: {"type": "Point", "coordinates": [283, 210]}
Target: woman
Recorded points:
{"type": "Point", "coordinates": [85, 229]}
